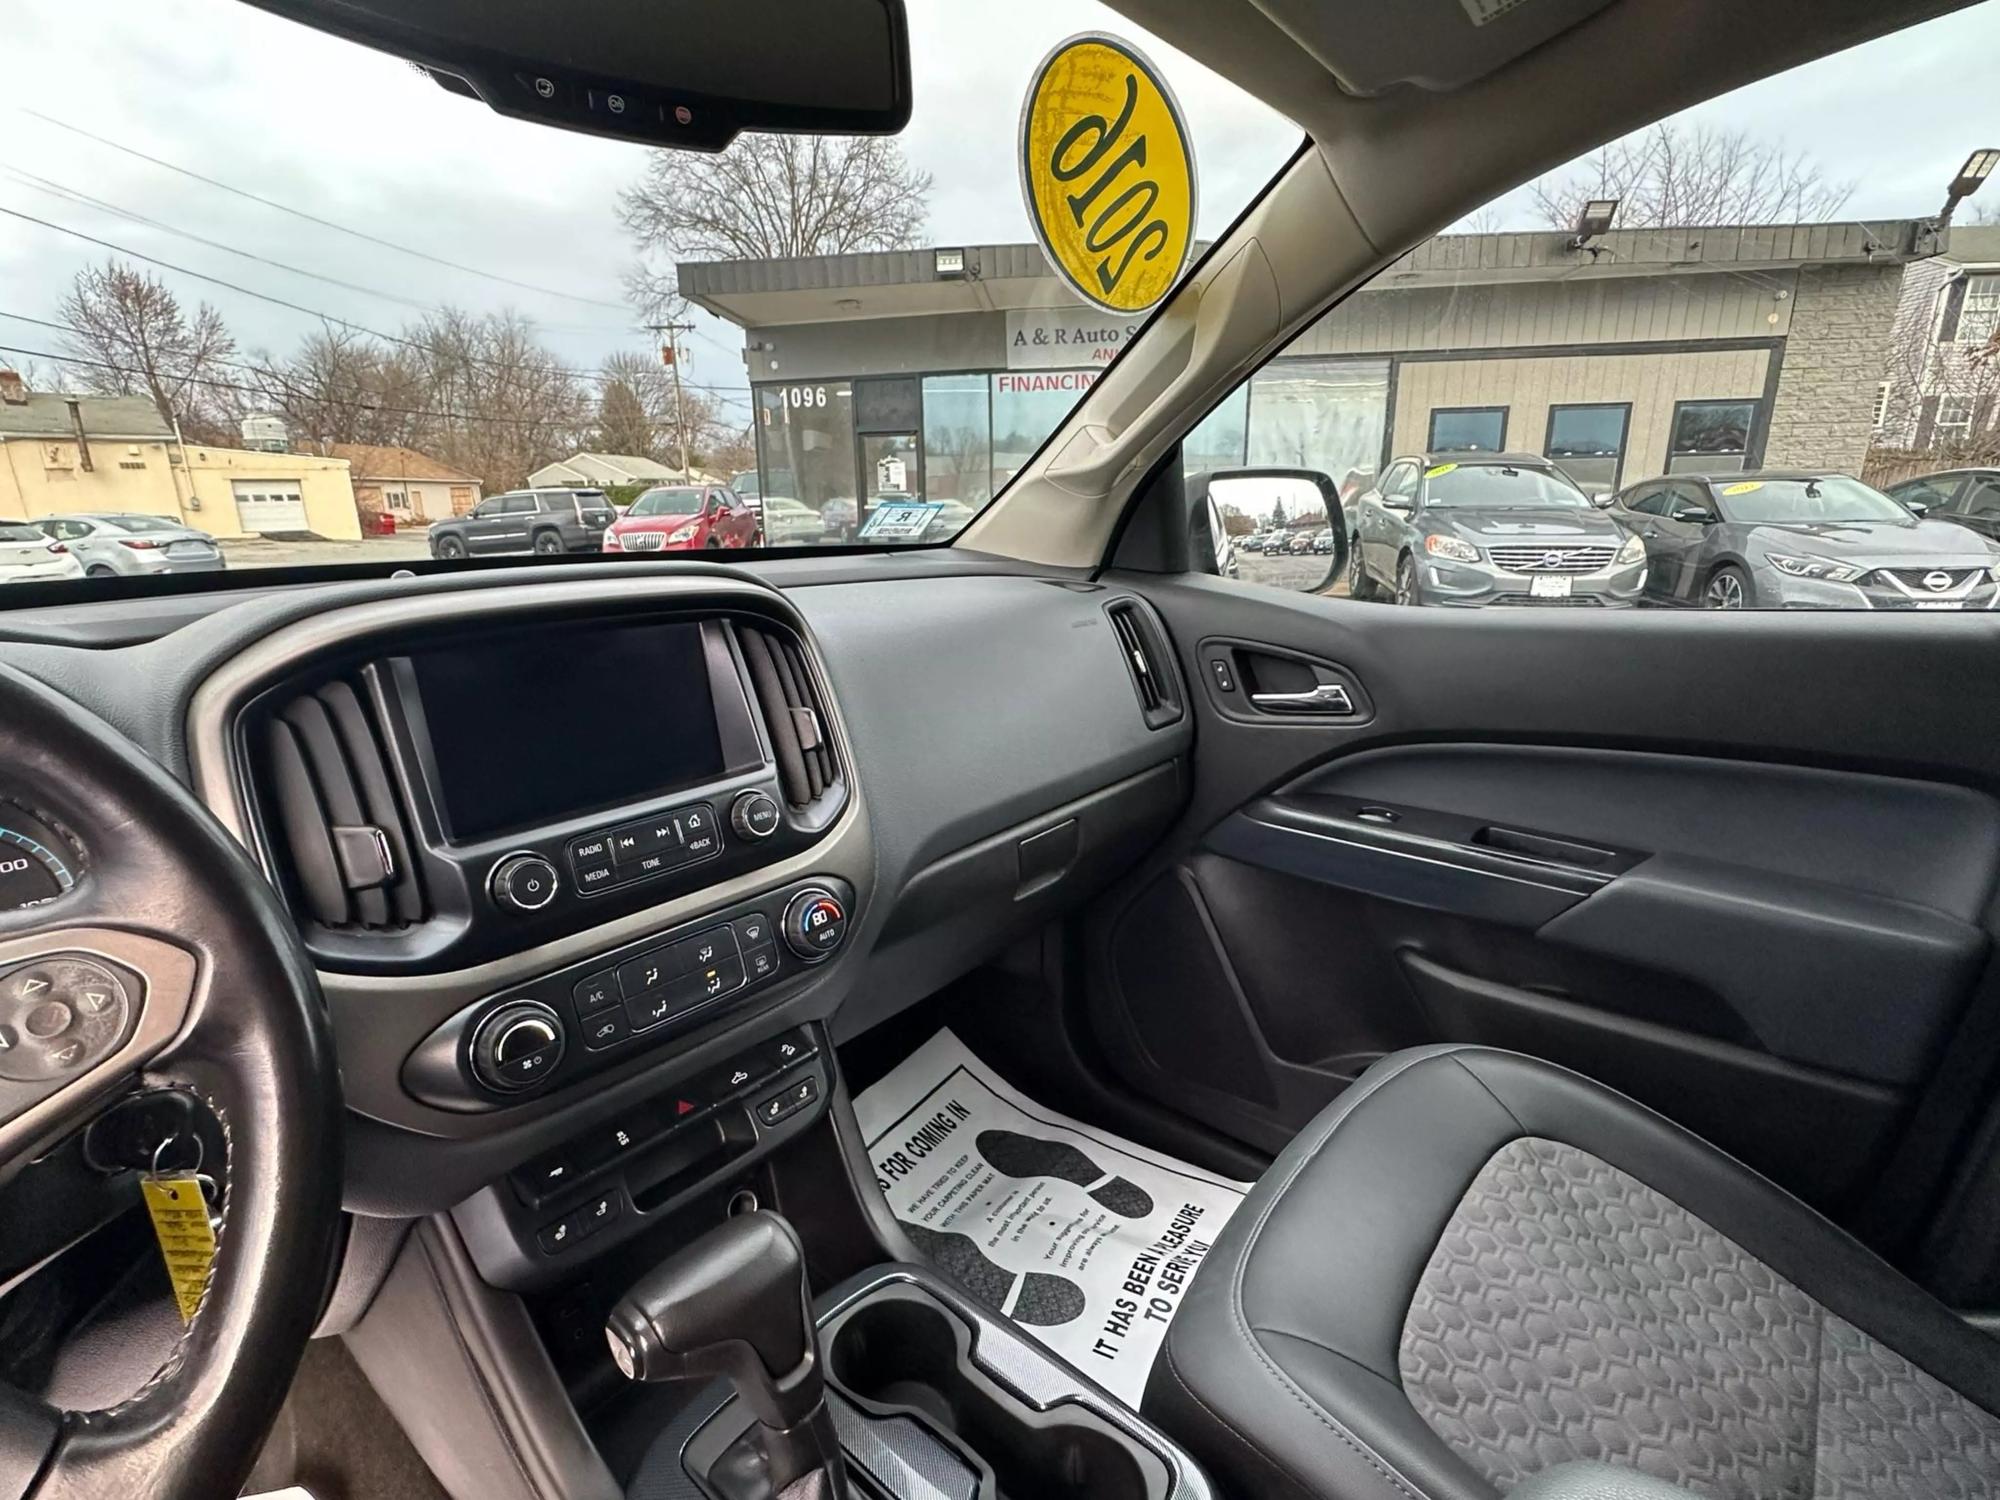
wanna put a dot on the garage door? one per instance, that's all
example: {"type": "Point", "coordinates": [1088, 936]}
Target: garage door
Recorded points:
{"type": "Point", "coordinates": [269, 505]}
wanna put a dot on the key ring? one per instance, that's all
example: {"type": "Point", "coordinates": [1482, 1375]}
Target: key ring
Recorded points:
{"type": "Point", "coordinates": [193, 1171]}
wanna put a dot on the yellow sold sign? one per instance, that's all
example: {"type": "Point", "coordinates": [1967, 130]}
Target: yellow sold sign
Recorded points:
{"type": "Point", "coordinates": [1108, 172]}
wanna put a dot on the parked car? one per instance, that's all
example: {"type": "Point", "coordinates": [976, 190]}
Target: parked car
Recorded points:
{"type": "Point", "coordinates": [787, 523]}
{"type": "Point", "coordinates": [1798, 540]}
{"type": "Point", "coordinates": [1971, 497]}
{"type": "Point", "coordinates": [1468, 529]}
{"type": "Point", "coordinates": [109, 543]}
{"type": "Point", "coordinates": [684, 518]}
{"type": "Point", "coordinates": [30, 555]}
{"type": "Point", "coordinates": [1299, 543]}
{"type": "Point", "coordinates": [1323, 541]}
{"type": "Point", "coordinates": [544, 521]}
{"type": "Point", "coordinates": [840, 518]}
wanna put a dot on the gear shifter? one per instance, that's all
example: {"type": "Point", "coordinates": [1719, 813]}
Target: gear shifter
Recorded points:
{"type": "Point", "coordinates": [735, 1304]}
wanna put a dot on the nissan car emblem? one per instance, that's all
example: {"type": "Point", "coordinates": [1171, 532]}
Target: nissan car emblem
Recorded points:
{"type": "Point", "coordinates": [1937, 582]}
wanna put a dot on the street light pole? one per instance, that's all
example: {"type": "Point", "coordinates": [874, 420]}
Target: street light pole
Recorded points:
{"type": "Point", "coordinates": [671, 353]}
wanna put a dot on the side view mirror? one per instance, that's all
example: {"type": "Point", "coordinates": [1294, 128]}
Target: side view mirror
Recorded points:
{"type": "Point", "coordinates": [1604, 501]}
{"type": "Point", "coordinates": [1695, 515]}
{"type": "Point", "coordinates": [1225, 503]}
{"type": "Point", "coordinates": [1917, 508]}
{"type": "Point", "coordinates": [1402, 504]}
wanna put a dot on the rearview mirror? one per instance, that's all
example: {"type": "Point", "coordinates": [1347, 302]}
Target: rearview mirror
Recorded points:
{"type": "Point", "coordinates": [692, 77]}
{"type": "Point", "coordinates": [1301, 505]}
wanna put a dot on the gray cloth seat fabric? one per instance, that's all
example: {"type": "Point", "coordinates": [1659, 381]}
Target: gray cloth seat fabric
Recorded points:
{"type": "Point", "coordinates": [1475, 1269]}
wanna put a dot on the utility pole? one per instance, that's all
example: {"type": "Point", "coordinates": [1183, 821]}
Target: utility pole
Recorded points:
{"type": "Point", "coordinates": [670, 353]}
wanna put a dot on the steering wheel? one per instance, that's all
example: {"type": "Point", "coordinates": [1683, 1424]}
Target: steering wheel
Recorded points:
{"type": "Point", "coordinates": [213, 995]}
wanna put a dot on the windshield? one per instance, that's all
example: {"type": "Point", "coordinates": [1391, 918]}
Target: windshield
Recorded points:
{"type": "Point", "coordinates": [665, 503]}
{"type": "Point", "coordinates": [138, 524]}
{"type": "Point", "coordinates": [1808, 501]}
{"type": "Point", "coordinates": [321, 308]}
{"type": "Point", "coordinates": [1495, 487]}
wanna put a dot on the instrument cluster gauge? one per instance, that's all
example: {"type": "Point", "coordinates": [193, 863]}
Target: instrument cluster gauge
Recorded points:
{"type": "Point", "coordinates": [37, 862]}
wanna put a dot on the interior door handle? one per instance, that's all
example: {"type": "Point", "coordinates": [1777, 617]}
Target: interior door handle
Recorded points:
{"type": "Point", "coordinates": [1325, 698]}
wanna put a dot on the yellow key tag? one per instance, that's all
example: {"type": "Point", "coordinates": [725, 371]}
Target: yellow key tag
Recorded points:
{"type": "Point", "coordinates": [187, 1243]}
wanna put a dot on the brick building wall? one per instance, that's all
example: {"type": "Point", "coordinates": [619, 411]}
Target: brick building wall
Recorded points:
{"type": "Point", "coordinates": [1836, 356]}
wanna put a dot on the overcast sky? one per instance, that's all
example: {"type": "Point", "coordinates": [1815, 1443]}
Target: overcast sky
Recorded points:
{"type": "Point", "coordinates": [356, 138]}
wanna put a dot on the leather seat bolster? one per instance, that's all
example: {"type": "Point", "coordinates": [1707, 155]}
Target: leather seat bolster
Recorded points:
{"type": "Point", "coordinates": [1281, 1369]}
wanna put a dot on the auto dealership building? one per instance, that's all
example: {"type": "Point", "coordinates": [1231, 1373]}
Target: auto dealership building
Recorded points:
{"type": "Point", "coordinates": [938, 372]}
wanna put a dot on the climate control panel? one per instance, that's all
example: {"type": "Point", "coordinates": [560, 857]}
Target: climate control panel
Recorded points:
{"type": "Point", "coordinates": [564, 1026]}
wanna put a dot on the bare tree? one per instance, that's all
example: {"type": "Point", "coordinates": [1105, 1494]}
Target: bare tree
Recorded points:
{"type": "Point", "coordinates": [1674, 177]}
{"type": "Point", "coordinates": [766, 197]}
{"type": "Point", "coordinates": [130, 336]}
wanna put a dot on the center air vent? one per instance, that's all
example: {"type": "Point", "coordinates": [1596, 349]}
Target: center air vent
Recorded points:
{"type": "Point", "coordinates": [332, 812]}
{"type": "Point", "coordinates": [1143, 645]}
{"type": "Point", "coordinates": [794, 716]}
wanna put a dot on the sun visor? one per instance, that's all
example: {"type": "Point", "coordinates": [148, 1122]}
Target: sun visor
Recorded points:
{"type": "Point", "coordinates": [1369, 46]}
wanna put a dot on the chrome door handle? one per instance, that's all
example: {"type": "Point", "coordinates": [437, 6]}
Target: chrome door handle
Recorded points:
{"type": "Point", "coordinates": [1326, 698]}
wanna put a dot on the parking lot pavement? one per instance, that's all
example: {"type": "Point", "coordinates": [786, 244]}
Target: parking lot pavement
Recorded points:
{"type": "Point", "coordinates": [269, 552]}
{"type": "Point", "coordinates": [1308, 572]}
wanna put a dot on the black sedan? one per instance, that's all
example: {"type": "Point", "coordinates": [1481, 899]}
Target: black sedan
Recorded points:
{"type": "Point", "coordinates": [1788, 539]}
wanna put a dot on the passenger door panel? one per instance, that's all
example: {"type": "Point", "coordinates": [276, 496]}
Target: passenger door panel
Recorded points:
{"type": "Point", "coordinates": [1653, 848]}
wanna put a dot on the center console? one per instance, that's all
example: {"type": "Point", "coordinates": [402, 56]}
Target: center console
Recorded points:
{"type": "Point", "coordinates": [893, 1386]}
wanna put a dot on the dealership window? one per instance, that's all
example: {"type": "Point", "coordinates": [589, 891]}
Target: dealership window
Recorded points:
{"type": "Point", "coordinates": [1882, 392]}
{"type": "Point", "coordinates": [398, 499]}
{"type": "Point", "coordinates": [1979, 317]}
{"type": "Point", "coordinates": [1326, 415]}
{"type": "Point", "coordinates": [1468, 429]}
{"type": "Point", "coordinates": [958, 438]}
{"type": "Point", "coordinates": [1588, 442]}
{"type": "Point", "coordinates": [1027, 406]}
{"type": "Point", "coordinates": [1218, 442]}
{"type": "Point", "coordinates": [1711, 437]}
{"type": "Point", "coordinates": [805, 441]}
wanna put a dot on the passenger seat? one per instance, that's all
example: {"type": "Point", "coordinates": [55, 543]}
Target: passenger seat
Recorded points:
{"type": "Point", "coordinates": [1476, 1272]}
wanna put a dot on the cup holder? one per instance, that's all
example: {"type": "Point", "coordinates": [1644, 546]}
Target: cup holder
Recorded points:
{"type": "Point", "coordinates": [899, 1351]}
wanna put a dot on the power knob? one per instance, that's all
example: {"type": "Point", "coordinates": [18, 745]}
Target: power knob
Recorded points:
{"type": "Point", "coordinates": [517, 1046]}
{"type": "Point", "coordinates": [523, 882]}
{"type": "Point", "coordinates": [815, 923]}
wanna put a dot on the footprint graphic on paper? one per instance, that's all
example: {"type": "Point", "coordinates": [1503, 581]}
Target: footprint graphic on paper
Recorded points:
{"type": "Point", "coordinates": [1045, 1301]}
{"type": "Point", "coordinates": [1015, 1155]}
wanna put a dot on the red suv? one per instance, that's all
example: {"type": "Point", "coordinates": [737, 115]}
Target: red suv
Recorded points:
{"type": "Point", "coordinates": [683, 518]}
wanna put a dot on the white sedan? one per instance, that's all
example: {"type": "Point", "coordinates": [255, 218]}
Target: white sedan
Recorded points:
{"type": "Point", "coordinates": [28, 555]}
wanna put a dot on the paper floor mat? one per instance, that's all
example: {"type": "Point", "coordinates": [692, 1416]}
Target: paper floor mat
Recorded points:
{"type": "Point", "coordinates": [1086, 1240]}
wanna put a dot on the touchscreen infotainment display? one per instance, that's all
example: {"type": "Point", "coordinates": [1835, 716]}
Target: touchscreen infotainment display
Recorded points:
{"type": "Point", "coordinates": [532, 727]}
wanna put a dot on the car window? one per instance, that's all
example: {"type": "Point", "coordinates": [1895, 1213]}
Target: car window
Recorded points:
{"type": "Point", "coordinates": [1765, 292]}
{"type": "Point", "coordinates": [1498, 486]}
{"type": "Point", "coordinates": [140, 525]}
{"type": "Point", "coordinates": [518, 505]}
{"type": "Point", "coordinates": [1982, 498]}
{"type": "Point", "coordinates": [1401, 481]}
{"type": "Point", "coordinates": [1683, 498]}
{"type": "Point", "coordinates": [664, 503]}
{"type": "Point", "coordinates": [12, 531]}
{"type": "Point", "coordinates": [1833, 500]}
{"type": "Point", "coordinates": [1939, 494]}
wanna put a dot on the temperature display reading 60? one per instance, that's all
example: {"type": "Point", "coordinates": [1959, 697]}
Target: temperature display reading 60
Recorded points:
{"type": "Point", "coordinates": [36, 863]}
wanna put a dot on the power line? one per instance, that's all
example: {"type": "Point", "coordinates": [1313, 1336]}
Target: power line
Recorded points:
{"type": "Point", "coordinates": [311, 312]}
{"type": "Point", "coordinates": [298, 213]}
{"type": "Point", "coordinates": [212, 383]}
{"type": "Point", "coordinates": [271, 375]}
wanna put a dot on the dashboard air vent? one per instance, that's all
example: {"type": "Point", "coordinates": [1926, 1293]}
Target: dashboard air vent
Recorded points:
{"type": "Point", "coordinates": [793, 714]}
{"type": "Point", "coordinates": [332, 810]}
{"type": "Point", "coordinates": [1144, 648]}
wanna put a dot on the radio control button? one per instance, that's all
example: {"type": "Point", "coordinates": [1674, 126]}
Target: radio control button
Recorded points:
{"type": "Point", "coordinates": [524, 882]}
{"type": "Point", "coordinates": [754, 815]}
